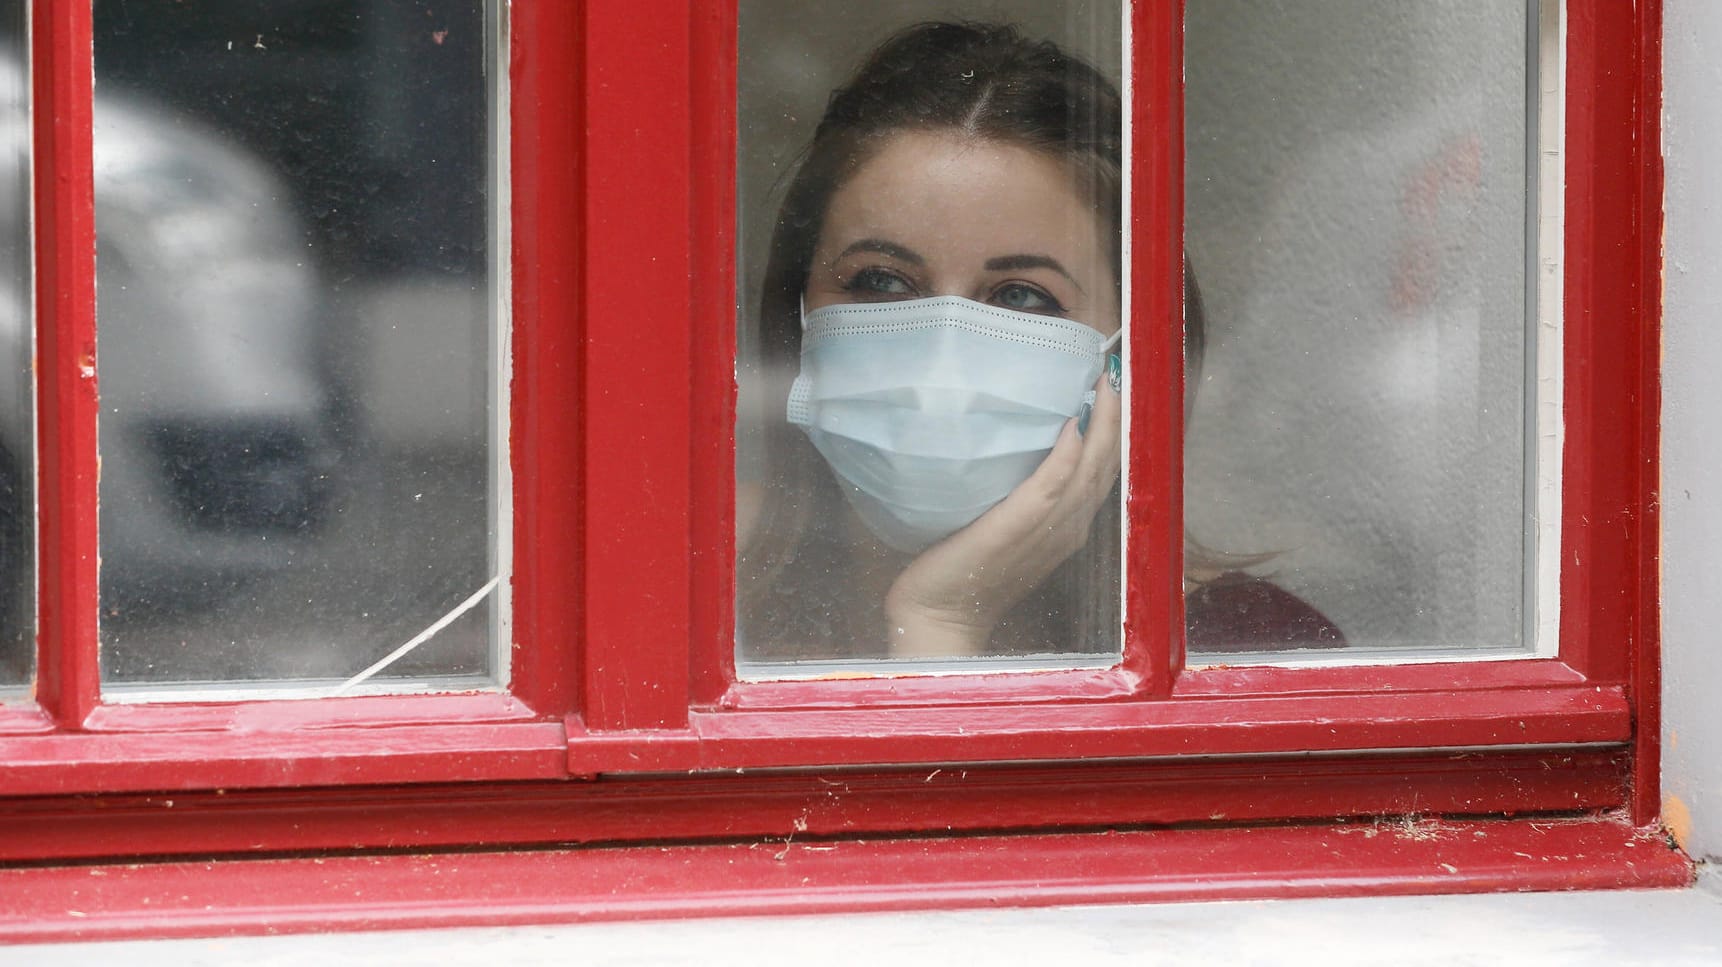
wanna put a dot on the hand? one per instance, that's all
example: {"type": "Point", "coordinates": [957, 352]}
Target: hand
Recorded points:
{"type": "Point", "coordinates": [949, 599]}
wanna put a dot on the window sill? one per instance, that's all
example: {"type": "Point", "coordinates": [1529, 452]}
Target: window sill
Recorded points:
{"type": "Point", "coordinates": [1615, 928]}
{"type": "Point", "coordinates": [402, 891]}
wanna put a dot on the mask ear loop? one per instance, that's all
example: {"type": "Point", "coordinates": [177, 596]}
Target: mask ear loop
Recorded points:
{"type": "Point", "coordinates": [798, 411]}
{"type": "Point", "coordinates": [1111, 342]}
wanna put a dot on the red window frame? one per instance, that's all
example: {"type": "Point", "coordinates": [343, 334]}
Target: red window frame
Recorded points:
{"type": "Point", "coordinates": [625, 723]}
{"type": "Point", "coordinates": [1149, 706]}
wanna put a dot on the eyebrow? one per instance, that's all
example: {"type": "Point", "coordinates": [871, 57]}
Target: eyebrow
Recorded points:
{"type": "Point", "coordinates": [1006, 263]}
{"type": "Point", "coordinates": [1002, 263]}
{"type": "Point", "coordinates": [883, 247]}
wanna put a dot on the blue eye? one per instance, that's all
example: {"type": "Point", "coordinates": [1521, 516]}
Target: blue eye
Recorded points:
{"type": "Point", "coordinates": [1022, 297]}
{"type": "Point", "coordinates": [879, 284]}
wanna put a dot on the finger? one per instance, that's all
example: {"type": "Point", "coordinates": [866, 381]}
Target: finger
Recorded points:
{"type": "Point", "coordinates": [1052, 478]}
{"type": "Point", "coordinates": [1098, 465]}
{"type": "Point", "coordinates": [1039, 521]}
{"type": "Point", "coordinates": [1026, 509]}
{"type": "Point", "coordinates": [1044, 498]}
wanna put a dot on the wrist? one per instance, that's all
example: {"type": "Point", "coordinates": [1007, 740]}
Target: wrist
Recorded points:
{"type": "Point", "coordinates": [918, 632]}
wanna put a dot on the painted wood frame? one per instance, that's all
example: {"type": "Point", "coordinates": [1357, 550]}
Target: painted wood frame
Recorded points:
{"type": "Point", "coordinates": [625, 722]}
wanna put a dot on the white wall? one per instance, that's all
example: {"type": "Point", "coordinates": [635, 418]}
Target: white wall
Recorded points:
{"type": "Point", "coordinates": [1692, 426]}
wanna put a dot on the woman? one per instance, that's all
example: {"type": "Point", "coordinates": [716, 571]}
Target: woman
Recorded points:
{"type": "Point", "coordinates": [944, 279]}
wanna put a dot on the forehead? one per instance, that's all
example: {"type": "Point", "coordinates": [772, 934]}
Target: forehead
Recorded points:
{"type": "Point", "coordinates": [946, 188]}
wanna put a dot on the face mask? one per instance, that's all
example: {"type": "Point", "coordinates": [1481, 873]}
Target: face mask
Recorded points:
{"type": "Point", "coordinates": [931, 411]}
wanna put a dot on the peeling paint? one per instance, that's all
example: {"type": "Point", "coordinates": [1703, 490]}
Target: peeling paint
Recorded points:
{"type": "Point", "coordinates": [1678, 819]}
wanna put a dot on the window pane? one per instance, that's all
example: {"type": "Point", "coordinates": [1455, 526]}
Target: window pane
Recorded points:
{"type": "Point", "coordinates": [17, 341]}
{"type": "Point", "coordinates": [1359, 206]}
{"type": "Point", "coordinates": [929, 291]}
{"type": "Point", "coordinates": [297, 337]}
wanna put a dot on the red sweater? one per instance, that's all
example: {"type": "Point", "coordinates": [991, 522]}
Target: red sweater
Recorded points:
{"type": "Point", "coordinates": [1238, 612]}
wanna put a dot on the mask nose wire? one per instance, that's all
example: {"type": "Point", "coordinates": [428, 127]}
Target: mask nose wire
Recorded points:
{"type": "Point", "coordinates": [1105, 347]}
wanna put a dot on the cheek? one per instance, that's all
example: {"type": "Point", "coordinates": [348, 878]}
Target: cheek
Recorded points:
{"type": "Point", "coordinates": [1107, 287]}
{"type": "Point", "coordinates": [1103, 309]}
{"type": "Point", "coordinates": [1107, 318]}
{"type": "Point", "coordinates": [818, 298]}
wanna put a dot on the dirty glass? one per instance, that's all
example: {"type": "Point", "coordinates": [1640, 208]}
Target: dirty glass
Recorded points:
{"type": "Point", "coordinates": [296, 213]}
{"type": "Point", "coordinates": [1361, 203]}
{"type": "Point", "coordinates": [926, 300]}
{"type": "Point", "coordinates": [17, 436]}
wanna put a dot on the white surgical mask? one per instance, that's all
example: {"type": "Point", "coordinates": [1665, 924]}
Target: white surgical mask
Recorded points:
{"type": "Point", "coordinates": [930, 411]}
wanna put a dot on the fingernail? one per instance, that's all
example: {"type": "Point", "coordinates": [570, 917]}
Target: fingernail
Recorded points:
{"type": "Point", "coordinates": [1115, 372]}
{"type": "Point", "coordinates": [1082, 416]}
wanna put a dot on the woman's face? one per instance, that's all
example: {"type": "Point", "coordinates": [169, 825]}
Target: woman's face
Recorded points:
{"type": "Point", "coordinates": [935, 213]}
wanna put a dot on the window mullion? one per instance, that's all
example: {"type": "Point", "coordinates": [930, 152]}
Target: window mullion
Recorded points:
{"type": "Point", "coordinates": [714, 132]}
{"type": "Point", "coordinates": [545, 395]}
{"type": "Point", "coordinates": [68, 683]}
{"type": "Point", "coordinates": [637, 316]}
{"type": "Point", "coordinates": [1154, 358]}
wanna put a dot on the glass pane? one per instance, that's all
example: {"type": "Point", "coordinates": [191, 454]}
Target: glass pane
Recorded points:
{"type": "Point", "coordinates": [17, 346]}
{"type": "Point", "coordinates": [929, 290]}
{"type": "Point", "coordinates": [297, 326]}
{"type": "Point", "coordinates": [1359, 210]}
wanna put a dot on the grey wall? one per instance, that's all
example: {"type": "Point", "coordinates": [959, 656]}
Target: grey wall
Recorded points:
{"type": "Point", "coordinates": [1692, 425]}
{"type": "Point", "coordinates": [1356, 217]}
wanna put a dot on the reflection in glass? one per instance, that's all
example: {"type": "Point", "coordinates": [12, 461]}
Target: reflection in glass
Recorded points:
{"type": "Point", "coordinates": [17, 390]}
{"type": "Point", "coordinates": [1358, 216]}
{"type": "Point", "coordinates": [930, 294]}
{"type": "Point", "coordinates": [296, 337]}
